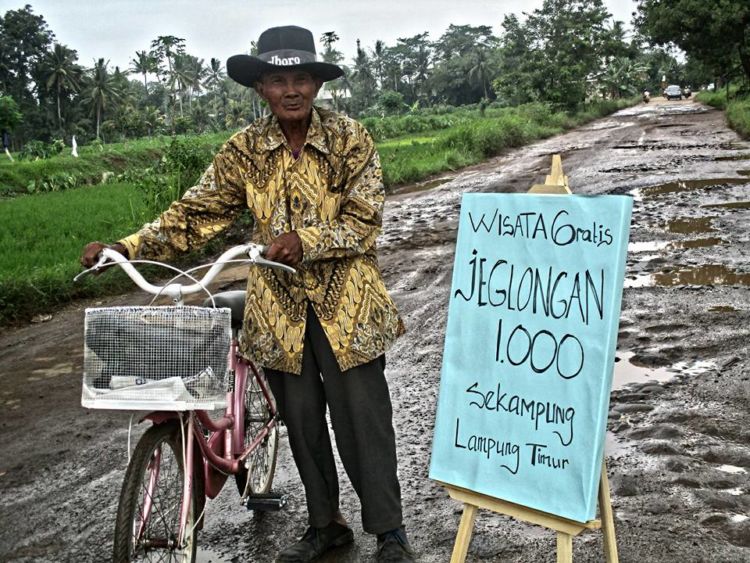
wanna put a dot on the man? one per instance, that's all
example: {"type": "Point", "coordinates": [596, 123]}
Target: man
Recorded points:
{"type": "Point", "coordinates": [313, 183]}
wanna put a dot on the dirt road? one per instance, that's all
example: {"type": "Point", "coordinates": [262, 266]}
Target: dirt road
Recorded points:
{"type": "Point", "coordinates": [678, 449]}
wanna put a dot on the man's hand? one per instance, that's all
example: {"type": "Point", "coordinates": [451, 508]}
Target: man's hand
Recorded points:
{"type": "Point", "coordinates": [286, 248]}
{"type": "Point", "coordinates": [90, 255]}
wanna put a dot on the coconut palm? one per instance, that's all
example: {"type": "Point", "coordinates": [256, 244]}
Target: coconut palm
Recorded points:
{"type": "Point", "coordinates": [62, 73]}
{"type": "Point", "coordinates": [145, 63]}
{"type": "Point", "coordinates": [102, 91]}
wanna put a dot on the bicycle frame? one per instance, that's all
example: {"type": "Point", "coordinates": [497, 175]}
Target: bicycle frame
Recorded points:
{"type": "Point", "coordinates": [221, 451]}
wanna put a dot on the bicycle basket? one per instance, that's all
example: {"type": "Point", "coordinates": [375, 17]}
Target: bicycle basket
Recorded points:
{"type": "Point", "coordinates": [156, 358]}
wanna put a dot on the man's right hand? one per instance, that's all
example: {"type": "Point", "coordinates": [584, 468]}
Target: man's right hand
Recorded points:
{"type": "Point", "coordinates": [91, 251]}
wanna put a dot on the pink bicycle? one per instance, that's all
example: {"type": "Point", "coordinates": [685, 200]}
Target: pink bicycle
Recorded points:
{"type": "Point", "coordinates": [179, 363]}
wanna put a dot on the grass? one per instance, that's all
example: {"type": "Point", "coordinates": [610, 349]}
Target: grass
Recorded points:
{"type": "Point", "coordinates": [94, 164]}
{"type": "Point", "coordinates": [735, 106]}
{"type": "Point", "coordinates": [42, 234]}
{"type": "Point", "coordinates": [42, 237]}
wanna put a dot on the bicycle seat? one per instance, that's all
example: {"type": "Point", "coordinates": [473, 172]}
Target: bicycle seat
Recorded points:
{"type": "Point", "coordinates": [235, 300]}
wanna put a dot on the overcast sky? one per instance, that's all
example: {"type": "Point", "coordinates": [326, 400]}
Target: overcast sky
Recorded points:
{"type": "Point", "coordinates": [116, 29]}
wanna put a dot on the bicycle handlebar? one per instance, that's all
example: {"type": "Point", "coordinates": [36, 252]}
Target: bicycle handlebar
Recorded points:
{"type": "Point", "coordinates": [254, 253]}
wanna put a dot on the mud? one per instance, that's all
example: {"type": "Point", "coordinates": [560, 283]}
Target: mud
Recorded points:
{"type": "Point", "coordinates": [678, 446]}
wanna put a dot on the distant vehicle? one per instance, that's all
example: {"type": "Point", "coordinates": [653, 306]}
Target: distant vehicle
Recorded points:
{"type": "Point", "coordinates": [686, 92]}
{"type": "Point", "coordinates": [673, 91]}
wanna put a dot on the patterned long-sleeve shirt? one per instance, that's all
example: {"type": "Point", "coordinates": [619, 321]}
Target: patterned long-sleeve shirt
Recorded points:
{"type": "Point", "coordinates": [332, 195]}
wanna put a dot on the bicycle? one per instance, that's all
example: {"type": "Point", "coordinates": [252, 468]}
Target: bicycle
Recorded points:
{"type": "Point", "coordinates": [186, 455]}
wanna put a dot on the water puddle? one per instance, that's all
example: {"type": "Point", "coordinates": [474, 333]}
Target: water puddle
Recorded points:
{"type": "Point", "coordinates": [743, 172]}
{"type": "Point", "coordinates": [614, 447]}
{"type": "Point", "coordinates": [629, 370]}
{"type": "Point", "coordinates": [733, 469]}
{"type": "Point", "coordinates": [738, 518]}
{"type": "Point", "coordinates": [689, 185]}
{"type": "Point", "coordinates": [744, 156]}
{"type": "Point", "coordinates": [722, 309]}
{"type": "Point", "coordinates": [647, 246]}
{"type": "Point", "coordinates": [422, 186]}
{"type": "Point", "coordinates": [698, 243]}
{"type": "Point", "coordinates": [729, 205]}
{"type": "Point", "coordinates": [690, 226]}
{"type": "Point", "coordinates": [708, 274]}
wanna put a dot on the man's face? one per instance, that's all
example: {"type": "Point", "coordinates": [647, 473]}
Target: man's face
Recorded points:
{"type": "Point", "coordinates": [289, 93]}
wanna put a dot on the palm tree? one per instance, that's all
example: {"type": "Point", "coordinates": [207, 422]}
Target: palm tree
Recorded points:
{"type": "Point", "coordinates": [165, 48]}
{"type": "Point", "coordinates": [103, 91]}
{"type": "Point", "coordinates": [145, 62]}
{"type": "Point", "coordinates": [214, 74]}
{"type": "Point", "coordinates": [62, 73]}
{"type": "Point", "coordinates": [480, 69]}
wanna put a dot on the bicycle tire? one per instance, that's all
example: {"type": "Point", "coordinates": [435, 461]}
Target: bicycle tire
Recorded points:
{"type": "Point", "coordinates": [162, 443]}
{"type": "Point", "coordinates": [263, 458]}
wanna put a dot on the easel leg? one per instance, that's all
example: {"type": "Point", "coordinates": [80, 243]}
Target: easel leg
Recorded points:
{"type": "Point", "coordinates": [564, 548]}
{"type": "Point", "coordinates": [608, 520]}
{"type": "Point", "coordinates": [463, 537]}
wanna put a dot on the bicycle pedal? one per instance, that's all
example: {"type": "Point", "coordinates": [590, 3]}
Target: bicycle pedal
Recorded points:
{"type": "Point", "coordinates": [266, 502]}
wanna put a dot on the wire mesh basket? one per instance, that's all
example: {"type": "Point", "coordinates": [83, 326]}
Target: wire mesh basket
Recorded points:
{"type": "Point", "coordinates": [156, 358]}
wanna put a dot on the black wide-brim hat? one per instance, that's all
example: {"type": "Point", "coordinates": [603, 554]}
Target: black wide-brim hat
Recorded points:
{"type": "Point", "coordinates": [281, 48]}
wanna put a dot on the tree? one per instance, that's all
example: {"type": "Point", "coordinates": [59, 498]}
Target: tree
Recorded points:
{"type": "Point", "coordinates": [62, 74]}
{"type": "Point", "coordinates": [10, 117]}
{"type": "Point", "coordinates": [714, 32]}
{"type": "Point", "coordinates": [145, 63]}
{"type": "Point", "coordinates": [102, 91]}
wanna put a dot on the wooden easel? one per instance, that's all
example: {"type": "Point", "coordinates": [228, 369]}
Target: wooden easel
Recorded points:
{"type": "Point", "coordinates": [555, 183]}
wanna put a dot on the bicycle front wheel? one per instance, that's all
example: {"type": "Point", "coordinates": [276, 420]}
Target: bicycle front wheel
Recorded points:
{"type": "Point", "coordinates": [259, 478]}
{"type": "Point", "coordinates": [148, 516]}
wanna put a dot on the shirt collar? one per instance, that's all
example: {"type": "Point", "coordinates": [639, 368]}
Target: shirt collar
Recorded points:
{"type": "Point", "coordinates": [315, 135]}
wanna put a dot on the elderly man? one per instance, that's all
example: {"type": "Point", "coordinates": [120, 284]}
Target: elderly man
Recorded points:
{"type": "Point", "coordinates": [313, 183]}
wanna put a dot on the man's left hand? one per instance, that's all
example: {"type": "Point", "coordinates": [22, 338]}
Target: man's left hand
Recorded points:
{"type": "Point", "coordinates": [286, 248]}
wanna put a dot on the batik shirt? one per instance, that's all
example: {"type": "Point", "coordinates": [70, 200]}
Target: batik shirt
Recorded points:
{"type": "Point", "coordinates": [332, 195]}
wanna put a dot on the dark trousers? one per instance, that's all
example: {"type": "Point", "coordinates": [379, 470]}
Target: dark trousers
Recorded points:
{"type": "Point", "coordinates": [360, 408]}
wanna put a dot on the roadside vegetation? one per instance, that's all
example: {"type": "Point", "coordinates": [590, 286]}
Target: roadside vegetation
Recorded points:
{"type": "Point", "coordinates": [735, 105]}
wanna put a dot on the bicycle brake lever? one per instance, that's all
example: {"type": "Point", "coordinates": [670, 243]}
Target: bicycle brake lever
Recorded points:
{"type": "Point", "coordinates": [102, 261]}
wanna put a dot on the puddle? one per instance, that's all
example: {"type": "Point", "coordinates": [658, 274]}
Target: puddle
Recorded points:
{"type": "Point", "coordinates": [722, 309]}
{"type": "Point", "coordinates": [730, 205]}
{"type": "Point", "coordinates": [689, 185]}
{"type": "Point", "coordinates": [421, 186]}
{"type": "Point", "coordinates": [733, 157]}
{"type": "Point", "coordinates": [614, 447]}
{"type": "Point", "coordinates": [648, 246]}
{"type": "Point", "coordinates": [691, 226]}
{"type": "Point", "coordinates": [709, 274]}
{"type": "Point", "coordinates": [738, 518]}
{"type": "Point", "coordinates": [698, 243]}
{"type": "Point", "coordinates": [743, 172]}
{"type": "Point", "coordinates": [733, 469]}
{"type": "Point", "coordinates": [712, 274]}
{"type": "Point", "coordinates": [734, 492]}
{"type": "Point", "coordinates": [629, 371]}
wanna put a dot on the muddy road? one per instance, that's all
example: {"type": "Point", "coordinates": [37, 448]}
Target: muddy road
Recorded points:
{"type": "Point", "coordinates": [678, 446]}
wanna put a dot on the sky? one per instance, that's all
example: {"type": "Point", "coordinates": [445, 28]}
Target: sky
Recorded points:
{"type": "Point", "coordinates": [116, 29]}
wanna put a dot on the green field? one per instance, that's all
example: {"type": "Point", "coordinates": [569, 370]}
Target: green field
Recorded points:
{"type": "Point", "coordinates": [42, 237]}
{"type": "Point", "coordinates": [42, 234]}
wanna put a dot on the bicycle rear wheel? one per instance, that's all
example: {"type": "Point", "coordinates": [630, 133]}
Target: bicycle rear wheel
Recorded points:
{"type": "Point", "coordinates": [259, 478]}
{"type": "Point", "coordinates": [148, 516]}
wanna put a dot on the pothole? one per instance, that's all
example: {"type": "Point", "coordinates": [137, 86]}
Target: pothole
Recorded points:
{"type": "Point", "coordinates": [629, 370]}
{"type": "Point", "coordinates": [421, 186]}
{"type": "Point", "coordinates": [647, 246]}
{"type": "Point", "coordinates": [722, 309]}
{"type": "Point", "coordinates": [729, 205]}
{"type": "Point", "coordinates": [698, 243]}
{"type": "Point", "coordinates": [744, 156]}
{"type": "Point", "coordinates": [691, 225]}
{"type": "Point", "coordinates": [689, 185]}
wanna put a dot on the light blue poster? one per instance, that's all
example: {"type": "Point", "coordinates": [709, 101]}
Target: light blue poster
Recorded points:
{"type": "Point", "coordinates": [529, 348]}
